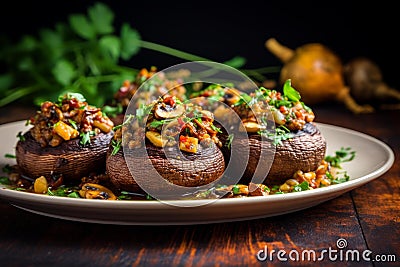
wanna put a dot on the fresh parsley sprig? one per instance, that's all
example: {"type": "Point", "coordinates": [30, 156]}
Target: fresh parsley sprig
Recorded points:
{"type": "Point", "coordinates": [86, 54]}
{"type": "Point", "coordinates": [85, 137]}
{"type": "Point", "coordinates": [281, 134]}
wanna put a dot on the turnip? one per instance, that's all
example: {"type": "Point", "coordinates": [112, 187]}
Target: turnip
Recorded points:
{"type": "Point", "coordinates": [316, 72]}
{"type": "Point", "coordinates": [365, 79]}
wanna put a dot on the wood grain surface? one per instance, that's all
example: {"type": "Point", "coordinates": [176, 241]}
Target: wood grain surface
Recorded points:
{"type": "Point", "coordinates": [367, 218]}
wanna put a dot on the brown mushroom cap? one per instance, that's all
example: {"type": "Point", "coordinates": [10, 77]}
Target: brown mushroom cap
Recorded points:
{"type": "Point", "coordinates": [303, 152]}
{"type": "Point", "coordinates": [188, 172]}
{"type": "Point", "coordinates": [70, 159]}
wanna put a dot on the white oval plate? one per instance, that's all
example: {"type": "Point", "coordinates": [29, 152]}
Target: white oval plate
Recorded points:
{"type": "Point", "coordinates": [363, 169]}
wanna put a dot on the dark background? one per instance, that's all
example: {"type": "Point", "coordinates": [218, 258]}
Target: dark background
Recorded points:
{"type": "Point", "coordinates": [221, 30]}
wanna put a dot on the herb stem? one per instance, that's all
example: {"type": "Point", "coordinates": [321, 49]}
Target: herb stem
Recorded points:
{"type": "Point", "coordinates": [171, 51]}
{"type": "Point", "coordinates": [17, 93]}
{"type": "Point", "coordinates": [120, 68]}
{"type": "Point", "coordinates": [257, 73]}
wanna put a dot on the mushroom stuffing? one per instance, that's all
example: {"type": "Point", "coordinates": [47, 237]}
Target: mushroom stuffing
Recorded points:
{"type": "Point", "coordinates": [68, 139]}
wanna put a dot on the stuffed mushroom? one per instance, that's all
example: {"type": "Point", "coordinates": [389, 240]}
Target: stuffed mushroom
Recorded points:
{"type": "Point", "coordinates": [67, 138]}
{"type": "Point", "coordinates": [294, 143]}
{"type": "Point", "coordinates": [179, 139]}
{"type": "Point", "coordinates": [152, 83]}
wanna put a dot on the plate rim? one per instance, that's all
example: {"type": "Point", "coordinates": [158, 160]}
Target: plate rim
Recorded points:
{"type": "Point", "coordinates": [15, 197]}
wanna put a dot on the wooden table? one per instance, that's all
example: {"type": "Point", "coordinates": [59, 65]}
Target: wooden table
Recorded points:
{"type": "Point", "coordinates": [368, 218]}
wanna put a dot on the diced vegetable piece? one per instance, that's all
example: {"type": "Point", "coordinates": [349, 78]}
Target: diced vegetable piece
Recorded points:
{"type": "Point", "coordinates": [105, 128]}
{"type": "Point", "coordinates": [156, 139]}
{"type": "Point", "coordinates": [65, 131]}
{"type": "Point", "coordinates": [188, 144]}
{"type": "Point", "coordinates": [40, 186]}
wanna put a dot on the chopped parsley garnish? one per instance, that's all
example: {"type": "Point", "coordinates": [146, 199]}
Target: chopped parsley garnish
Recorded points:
{"type": "Point", "coordinates": [282, 133]}
{"type": "Point", "coordinates": [301, 187]}
{"type": "Point", "coordinates": [143, 111]}
{"type": "Point", "coordinates": [85, 137]}
{"type": "Point", "coordinates": [5, 180]}
{"type": "Point", "coordinates": [341, 177]}
{"type": "Point", "coordinates": [127, 120]}
{"type": "Point", "coordinates": [69, 96]}
{"type": "Point", "coordinates": [341, 156]}
{"type": "Point", "coordinates": [236, 190]}
{"type": "Point", "coordinates": [158, 123]}
{"type": "Point", "coordinates": [64, 191]}
{"type": "Point", "coordinates": [116, 145]}
{"type": "Point", "coordinates": [20, 136]}
{"type": "Point", "coordinates": [229, 141]}
{"type": "Point", "coordinates": [73, 124]}
{"type": "Point", "coordinates": [215, 128]}
{"type": "Point", "coordinates": [246, 99]}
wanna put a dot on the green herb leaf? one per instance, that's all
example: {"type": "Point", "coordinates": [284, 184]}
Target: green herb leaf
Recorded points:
{"type": "Point", "coordinates": [113, 111]}
{"type": "Point", "coordinates": [236, 62]}
{"type": "Point", "coordinates": [127, 119]}
{"type": "Point", "coordinates": [28, 43]}
{"type": "Point", "coordinates": [74, 195]}
{"type": "Point", "coordinates": [73, 124]}
{"type": "Point", "coordinates": [63, 191]}
{"type": "Point", "coordinates": [341, 156]}
{"type": "Point", "coordinates": [5, 180]}
{"type": "Point", "coordinates": [236, 190]}
{"type": "Point", "coordinates": [143, 111]}
{"type": "Point", "coordinates": [70, 95]}
{"type": "Point", "coordinates": [85, 138]}
{"type": "Point", "coordinates": [244, 99]}
{"type": "Point", "coordinates": [82, 26]}
{"type": "Point", "coordinates": [290, 92]}
{"type": "Point", "coordinates": [158, 123]}
{"type": "Point", "coordinates": [130, 42]}
{"type": "Point", "coordinates": [64, 72]}
{"type": "Point", "coordinates": [149, 197]}
{"type": "Point", "coordinates": [282, 133]}
{"type": "Point", "coordinates": [229, 141]}
{"type": "Point", "coordinates": [116, 145]}
{"type": "Point", "coordinates": [102, 18]}
{"type": "Point", "coordinates": [21, 136]}
{"type": "Point", "coordinates": [301, 187]}
{"type": "Point", "coordinates": [341, 178]}
{"type": "Point", "coordinates": [53, 42]}
{"type": "Point", "coordinates": [215, 128]}
{"type": "Point", "coordinates": [111, 45]}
